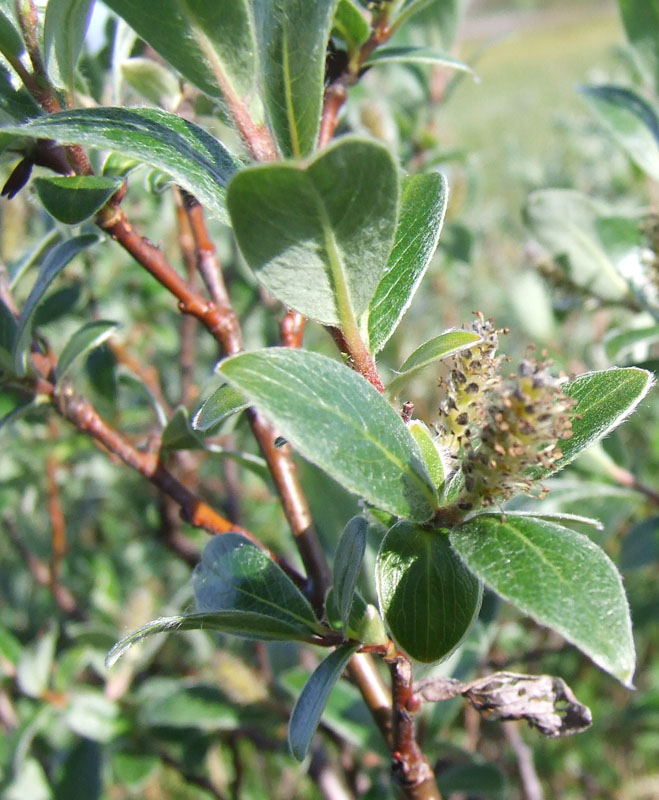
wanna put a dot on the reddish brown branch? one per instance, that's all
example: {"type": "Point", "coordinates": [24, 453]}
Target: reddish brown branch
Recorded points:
{"type": "Point", "coordinates": [292, 329]}
{"type": "Point", "coordinates": [360, 360]}
{"type": "Point", "coordinates": [210, 270]}
{"type": "Point", "coordinates": [410, 768]}
{"type": "Point", "coordinates": [57, 521]}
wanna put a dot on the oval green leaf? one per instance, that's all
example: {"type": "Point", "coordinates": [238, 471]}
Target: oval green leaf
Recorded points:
{"type": "Point", "coordinates": [339, 422]}
{"type": "Point", "coordinates": [558, 577]}
{"type": "Point", "coordinates": [83, 341]}
{"type": "Point", "coordinates": [324, 232]}
{"type": "Point", "coordinates": [604, 400]}
{"type": "Point", "coordinates": [237, 576]}
{"type": "Point", "coordinates": [292, 38]}
{"type": "Point", "coordinates": [195, 160]}
{"type": "Point", "coordinates": [210, 44]}
{"type": "Point", "coordinates": [11, 43]}
{"type": "Point", "coordinates": [631, 121]}
{"type": "Point", "coordinates": [428, 598]}
{"type": "Point", "coordinates": [313, 698]}
{"type": "Point", "coordinates": [74, 199]}
{"type": "Point", "coordinates": [223, 403]}
{"type": "Point", "coordinates": [423, 206]}
{"type": "Point", "coordinates": [442, 346]}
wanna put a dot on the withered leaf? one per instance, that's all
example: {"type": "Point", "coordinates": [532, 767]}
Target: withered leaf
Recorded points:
{"type": "Point", "coordinates": [544, 701]}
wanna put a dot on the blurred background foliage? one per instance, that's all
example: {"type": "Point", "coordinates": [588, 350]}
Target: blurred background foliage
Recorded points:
{"type": "Point", "coordinates": [197, 716]}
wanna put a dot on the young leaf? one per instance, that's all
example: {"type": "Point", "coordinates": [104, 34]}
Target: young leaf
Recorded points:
{"type": "Point", "coordinates": [604, 400]}
{"type": "Point", "coordinates": [178, 434]}
{"type": "Point", "coordinates": [64, 30]}
{"type": "Point", "coordinates": [292, 38]}
{"type": "Point", "coordinates": [324, 230]}
{"type": "Point", "coordinates": [632, 122]}
{"type": "Point", "coordinates": [423, 205]}
{"type": "Point", "coordinates": [74, 199]}
{"type": "Point", "coordinates": [52, 265]}
{"type": "Point", "coordinates": [311, 702]}
{"type": "Point", "coordinates": [414, 55]}
{"type": "Point", "coordinates": [429, 451]}
{"type": "Point", "coordinates": [558, 577]}
{"type": "Point", "coordinates": [338, 421]}
{"type": "Point", "coordinates": [235, 575]}
{"type": "Point", "coordinates": [641, 21]}
{"type": "Point", "coordinates": [427, 596]}
{"type": "Point", "coordinates": [350, 24]}
{"type": "Point", "coordinates": [347, 563]}
{"type": "Point", "coordinates": [210, 44]}
{"type": "Point", "coordinates": [224, 402]}
{"type": "Point", "coordinates": [83, 341]}
{"type": "Point", "coordinates": [195, 160]}
{"type": "Point", "coordinates": [152, 80]}
{"type": "Point", "coordinates": [36, 662]}
{"type": "Point", "coordinates": [442, 346]}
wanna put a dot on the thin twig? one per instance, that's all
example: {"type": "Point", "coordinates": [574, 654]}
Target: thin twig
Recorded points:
{"type": "Point", "coordinates": [410, 768]}
{"type": "Point", "coordinates": [41, 573]}
{"type": "Point", "coordinates": [529, 777]}
{"type": "Point", "coordinates": [292, 329]}
{"type": "Point", "coordinates": [56, 514]}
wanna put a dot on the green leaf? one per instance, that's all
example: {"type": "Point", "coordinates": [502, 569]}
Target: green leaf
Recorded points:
{"type": "Point", "coordinates": [237, 623]}
{"type": "Point", "coordinates": [8, 327]}
{"type": "Point", "coordinates": [36, 662]}
{"type": "Point", "coordinates": [201, 707]}
{"type": "Point", "coordinates": [74, 199]}
{"type": "Point", "coordinates": [236, 575]}
{"type": "Point", "coordinates": [54, 262]}
{"type": "Point", "coordinates": [134, 769]}
{"type": "Point", "coordinates": [429, 450]}
{"type": "Point", "coordinates": [292, 38]}
{"type": "Point", "coordinates": [210, 44]}
{"type": "Point", "coordinates": [414, 55]}
{"type": "Point", "coordinates": [604, 400]}
{"type": "Point", "coordinates": [631, 121]}
{"type": "Point", "coordinates": [178, 434]}
{"type": "Point", "coordinates": [152, 80]}
{"type": "Point", "coordinates": [324, 230]}
{"type": "Point", "coordinates": [311, 702]}
{"type": "Point", "coordinates": [423, 205]}
{"type": "Point", "coordinates": [347, 563]}
{"type": "Point", "coordinates": [641, 21]}
{"type": "Point", "coordinates": [195, 160]}
{"type": "Point", "coordinates": [345, 712]}
{"type": "Point", "coordinates": [474, 779]}
{"type": "Point", "coordinates": [224, 402]}
{"type": "Point", "coordinates": [617, 342]}
{"type": "Point", "coordinates": [442, 346]}
{"type": "Point", "coordinates": [64, 31]}
{"type": "Point", "coordinates": [83, 341]}
{"type": "Point", "coordinates": [565, 222]}
{"type": "Point", "coordinates": [339, 422]}
{"type": "Point", "coordinates": [427, 596]}
{"type": "Point", "coordinates": [350, 24]}
{"type": "Point", "coordinates": [558, 577]}
{"type": "Point", "coordinates": [11, 43]}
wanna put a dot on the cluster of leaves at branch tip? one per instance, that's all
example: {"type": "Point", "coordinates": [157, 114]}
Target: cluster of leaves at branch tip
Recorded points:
{"type": "Point", "coordinates": [498, 430]}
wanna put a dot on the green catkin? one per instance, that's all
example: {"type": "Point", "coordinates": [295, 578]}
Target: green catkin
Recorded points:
{"type": "Point", "coordinates": [500, 431]}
